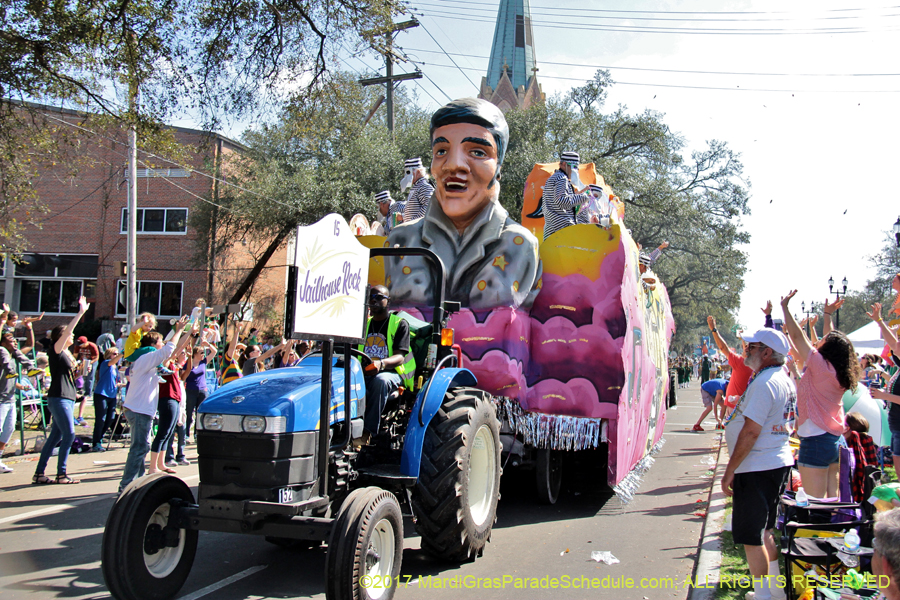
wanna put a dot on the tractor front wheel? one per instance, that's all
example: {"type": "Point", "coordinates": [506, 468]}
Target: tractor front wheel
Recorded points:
{"type": "Point", "coordinates": [366, 547]}
{"type": "Point", "coordinates": [142, 557]}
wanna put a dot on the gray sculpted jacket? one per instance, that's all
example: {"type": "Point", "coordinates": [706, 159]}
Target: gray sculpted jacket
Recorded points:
{"type": "Point", "coordinates": [494, 263]}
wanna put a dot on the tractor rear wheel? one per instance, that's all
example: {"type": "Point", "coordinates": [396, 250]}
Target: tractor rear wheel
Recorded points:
{"type": "Point", "coordinates": [548, 475]}
{"type": "Point", "coordinates": [455, 499]}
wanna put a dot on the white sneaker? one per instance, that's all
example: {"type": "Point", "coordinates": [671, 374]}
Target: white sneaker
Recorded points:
{"type": "Point", "coordinates": [758, 594]}
{"type": "Point", "coordinates": [4, 468]}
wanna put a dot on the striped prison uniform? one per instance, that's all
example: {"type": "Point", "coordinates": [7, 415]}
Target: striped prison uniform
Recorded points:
{"type": "Point", "coordinates": [417, 202]}
{"type": "Point", "coordinates": [388, 221]}
{"type": "Point", "coordinates": [560, 203]}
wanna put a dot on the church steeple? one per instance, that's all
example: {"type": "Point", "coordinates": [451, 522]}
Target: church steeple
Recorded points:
{"type": "Point", "coordinates": [511, 78]}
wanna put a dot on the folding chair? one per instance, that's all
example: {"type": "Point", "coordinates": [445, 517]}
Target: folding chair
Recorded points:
{"type": "Point", "coordinates": [801, 551]}
{"type": "Point", "coordinates": [32, 399]}
{"type": "Point", "coordinates": [812, 535]}
{"type": "Point", "coordinates": [120, 413]}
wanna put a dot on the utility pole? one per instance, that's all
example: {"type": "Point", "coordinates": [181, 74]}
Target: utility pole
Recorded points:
{"type": "Point", "coordinates": [389, 56]}
{"type": "Point", "coordinates": [131, 261]}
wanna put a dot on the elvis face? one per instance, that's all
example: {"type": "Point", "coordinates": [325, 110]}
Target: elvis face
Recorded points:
{"type": "Point", "coordinates": [464, 163]}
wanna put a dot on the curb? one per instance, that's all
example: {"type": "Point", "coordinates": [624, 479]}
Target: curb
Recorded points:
{"type": "Point", "coordinates": [709, 561]}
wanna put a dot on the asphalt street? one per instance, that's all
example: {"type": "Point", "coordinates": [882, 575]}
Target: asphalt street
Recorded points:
{"type": "Point", "coordinates": [50, 535]}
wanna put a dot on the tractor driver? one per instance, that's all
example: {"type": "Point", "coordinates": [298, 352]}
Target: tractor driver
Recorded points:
{"type": "Point", "coordinates": [387, 344]}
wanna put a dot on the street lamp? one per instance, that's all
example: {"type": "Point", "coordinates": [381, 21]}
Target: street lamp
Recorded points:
{"type": "Point", "coordinates": [807, 313]}
{"type": "Point", "coordinates": [837, 293]}
{"type": "Point", "coordinates": [897, 231]}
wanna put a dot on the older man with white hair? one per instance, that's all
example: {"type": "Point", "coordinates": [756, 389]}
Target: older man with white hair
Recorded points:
{"type": "Point", "coordinates": [387, 210]}
{"type": "Point", "coordinates": [760, 460]}
{"type": "Point", "coordinates": [886, 560]}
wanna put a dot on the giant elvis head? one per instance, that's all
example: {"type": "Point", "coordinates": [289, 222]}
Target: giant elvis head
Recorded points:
{"type": "Point", "coordinates": [468, 141]}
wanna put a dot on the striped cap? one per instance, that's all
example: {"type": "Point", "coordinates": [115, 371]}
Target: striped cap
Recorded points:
{"type": "Point", "coordinates": [413, 163]}
{"type": "Point", "coordinates": [571, 157]}
{"type": "Point", "coordinates": [645, 259]}
{"type": "Point", "coordinates": [595, 188]}
{"type": "Point", "coordinates": [383, 196]}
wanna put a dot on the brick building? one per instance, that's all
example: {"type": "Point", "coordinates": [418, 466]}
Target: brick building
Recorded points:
{"type": "Point", "coordinates": [83, 237]}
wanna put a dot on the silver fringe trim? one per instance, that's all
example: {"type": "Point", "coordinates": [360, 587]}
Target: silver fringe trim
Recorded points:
{"type": "Point", "coordinates": [556, 432]}
{"type": "Point", "coordinates": [627, 488]}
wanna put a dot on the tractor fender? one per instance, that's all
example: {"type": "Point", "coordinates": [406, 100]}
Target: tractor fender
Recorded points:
{"type": "Point", "coordinates": [441, 381]}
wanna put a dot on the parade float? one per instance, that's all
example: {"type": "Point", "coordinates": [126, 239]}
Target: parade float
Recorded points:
{"type": "Point", "coordinates": [575, 359]}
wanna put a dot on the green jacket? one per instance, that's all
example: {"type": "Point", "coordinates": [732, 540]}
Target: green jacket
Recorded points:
{"type": "Point", "coordinates": [407, 369]}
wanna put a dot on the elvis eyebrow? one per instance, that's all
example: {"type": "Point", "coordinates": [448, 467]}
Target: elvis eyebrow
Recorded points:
{"type": "Point", "coordinates": [479, 141]}
{"type": "Point", "coordinates": [439, 140]}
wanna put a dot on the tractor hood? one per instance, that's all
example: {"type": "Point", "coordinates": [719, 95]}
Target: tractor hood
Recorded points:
{"type": "Point", "coordinates": [291, 392]}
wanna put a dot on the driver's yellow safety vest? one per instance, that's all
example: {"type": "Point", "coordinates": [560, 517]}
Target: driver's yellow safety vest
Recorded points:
{"type": "Point", "coordinates": [407, 369]}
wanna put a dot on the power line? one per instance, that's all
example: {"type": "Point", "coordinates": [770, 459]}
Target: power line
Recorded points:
{"type": "Point", "coordinates": [162, 158]}
{"type": "Point", "coordinates": [422, 87]}
{"type": "Point", "coordinates": [679, 12]}
{"type": "Point", "coordinates": [668, 30]}
{"type": "Point", "coordinates": [68, 208]}
{"type": "Point", "coordinates": [451, 60]}
{"type": "Point", "coordinates": [449, 38]}
{"type": "Point", "coordinates": [555, 11]}
{"type": "Point", "coordinates": [152, 155]}
{"type": "Point", "coordinates": [437, 86]}
{"type": "Point", "coordinates": [703, 87]}
{"type": "Point", "coordinates": [198, 197]}
{"type": "Point", "coordinates": [694, 72]}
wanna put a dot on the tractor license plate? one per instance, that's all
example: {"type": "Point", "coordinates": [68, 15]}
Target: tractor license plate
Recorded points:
{"type": "Point", "coordinates": [285, 496]}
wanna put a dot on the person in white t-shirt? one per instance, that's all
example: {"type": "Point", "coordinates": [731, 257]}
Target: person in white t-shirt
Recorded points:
{"type": "Point", "coordinates": [143, 395]}
{"type": "Point", "coordinates": [760, 460]}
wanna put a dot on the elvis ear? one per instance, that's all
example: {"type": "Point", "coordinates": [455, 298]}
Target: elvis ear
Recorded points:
{"type": "Point", "coordinates": [498, 174]}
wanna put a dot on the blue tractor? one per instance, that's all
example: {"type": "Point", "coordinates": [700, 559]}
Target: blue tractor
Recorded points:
{"type": "Point", "coordinates": [269, 467]}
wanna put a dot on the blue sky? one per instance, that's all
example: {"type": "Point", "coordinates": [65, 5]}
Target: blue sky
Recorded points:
{"type": "Point", "coordinates": [817, 128]}
{"type": "Point", "coordinates": [806, 92]}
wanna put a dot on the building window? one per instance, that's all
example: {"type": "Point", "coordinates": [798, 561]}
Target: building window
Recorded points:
{"type": "Point", "coordinates": [158, 220]}
{"type": "Point", "coordinates": [59, 296]}
{"type": "Point", "coordinates": [161, 298]}
{"type": "Point", "coordinates": [53, 266]}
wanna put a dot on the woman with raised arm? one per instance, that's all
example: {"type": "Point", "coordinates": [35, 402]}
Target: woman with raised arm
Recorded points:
{"type": "Point", "coordinates": [891, 393]}
{"type": "Point", "coordinates": [61, 399]}
{"type": "Point", "coordinates": [831, 369]}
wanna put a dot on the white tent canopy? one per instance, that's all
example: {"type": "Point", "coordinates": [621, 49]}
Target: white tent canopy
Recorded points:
{"type": "Point", "coordinates": [867, 339]}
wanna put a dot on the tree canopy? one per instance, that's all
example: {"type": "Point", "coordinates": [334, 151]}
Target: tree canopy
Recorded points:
{"type": "Point", "coordinates": [694, 202]}
{"type": "Point", "coordinates": [215, 58]}
{"type": "Point", "coordinates": [319, 157]}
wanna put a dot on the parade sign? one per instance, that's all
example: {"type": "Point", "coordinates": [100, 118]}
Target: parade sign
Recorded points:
{"type": "Point", "coordinates": [332, 271]}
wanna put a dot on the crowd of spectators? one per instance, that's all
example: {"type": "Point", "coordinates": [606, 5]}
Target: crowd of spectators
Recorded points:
{"type": "Point", "coordinates": [139, 378]}
{"type": "Point", "coordinates": [787, 383]}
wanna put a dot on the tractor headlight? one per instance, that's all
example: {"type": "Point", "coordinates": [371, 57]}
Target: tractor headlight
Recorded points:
{"type": "Point", "coordinates": [212, 422]}
{"type": "Point", "coordinates": [276, 424]}
{"type": "Point", "coordinates": [253, 424]}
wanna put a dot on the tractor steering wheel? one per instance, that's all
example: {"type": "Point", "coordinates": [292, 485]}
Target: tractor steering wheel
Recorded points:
{"type": "Point", "coordinates": [363, 358]}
